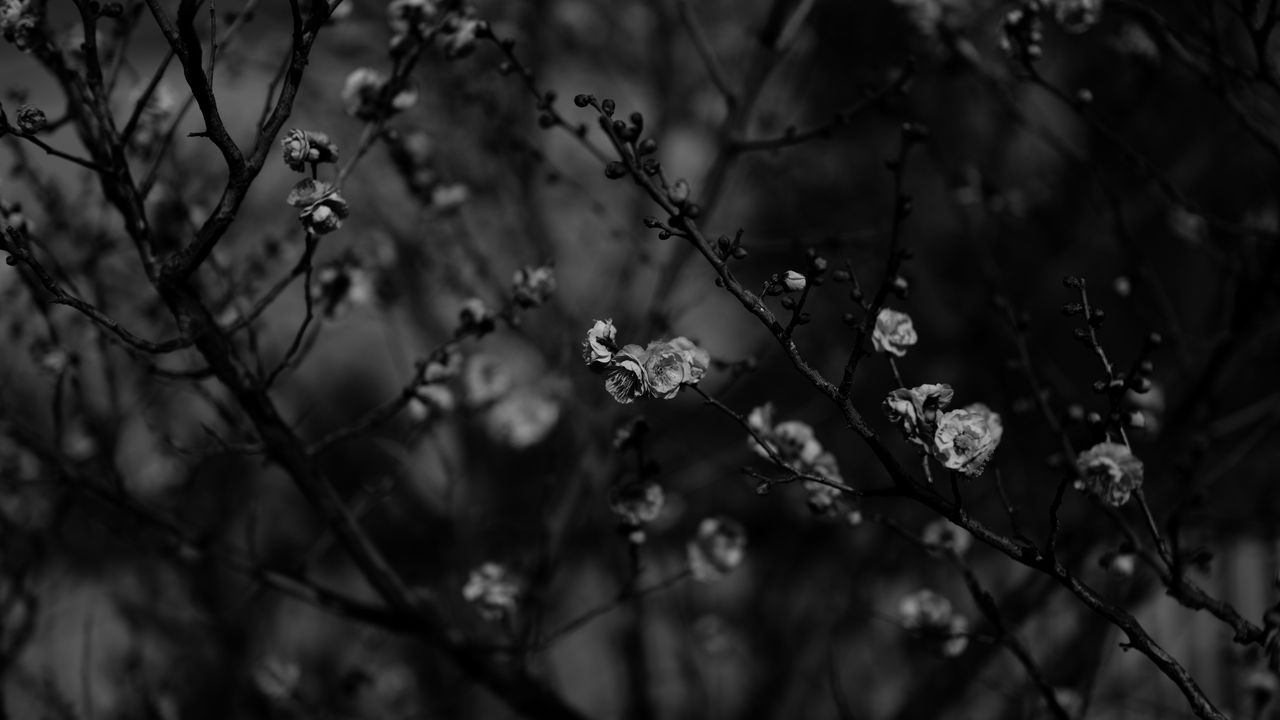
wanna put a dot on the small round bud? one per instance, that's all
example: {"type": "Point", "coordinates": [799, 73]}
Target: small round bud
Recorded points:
{"type": "Point", "coordinates": [582, 100]}
{"type": "Point", "coordinates": [1084, 96]}
{"type": "Point", "coordinates": [819, 265]}
{"type": "Point", "coordinates": [31, 120]}
{"type": "Point", "coordinates": [678, 193]}
{"type": "Point", "coordinates": [740, 253]}
{"type": "Point", "coordinates": [607, 106]}
{"type": "Point", "coordinates": [647, 146]}
{"type": "Point", "coordinates": [615, 170]}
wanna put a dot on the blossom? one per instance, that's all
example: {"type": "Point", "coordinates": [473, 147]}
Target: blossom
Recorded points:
{"type": "Point", "coordinates": [341, 286]}
{"type": "Point", "coordinates": [449, 196]}
{"type": "Point", "coordinates": [957, 639]}
{"type": "Point", "coordinates": [597, 349]}
{"type": "Point", "coordinates": [924, 609]}
{"type": "Point", "coordinates": [447, 365]}
{"type": "Point", "coordinates": [492, 591]}
{"type": "Point", "coordinates": [17, 23]}
{"type": "Point", "coordinates": [363, 95]}
{"type": "Point", "coordinates": [475, 316]}
{"type": "Point", "coordinates": [522, 418]}
{"type": "Point", "coordinates": [966, 438]}
{"type": "Point", "coordinates": [673, 363]}
{"type": "Point", "coordinates": [323, 208]}
{"type": "Point", "coordinates": [533, 286]}
{"type": "Point", "coordinates": [626, 378]}
{"type": "Point", "coordinates": [792, 441]}
{"type": "Point", "coordinates": [1118, 564]}
{"type": "Point", "coordinates": [915, 411]}
{"type": "Point", "coordinates": [1022, 33]}
{"type": "Point", "coordinates": [1110, 471]}
{"type": "Point", "coordinates": [794, 281]}
{"type": "Point", "coordinates": [946, 535]}
{"type": "Point", "coordinates": [893, 332]}
{"type": "Point", "coordinates": [302, 147]}
{"type": "Point", "coordinates": [485, 379]}
{"type": "Point", "coordinates": [718, 548]}
{"type": "Point", "coordinates": [31, 119]}
{"type": "Point", "coordinates": [1076, 16]}
{"type": "Point", "coordinates": [458, 36]}
{"type": "Point", "coordinates": [411, 17]}
{"type": "Point", "coordinates": [637, 504]}
{"type": "Point", "coordinates": [428, 400]}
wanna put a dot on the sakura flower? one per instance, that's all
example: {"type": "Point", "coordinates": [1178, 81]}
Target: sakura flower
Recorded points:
{"type": "Point", "coordinates": [924, 609]}
{"type": "Point", "coordinates": [492, 591]}
{"type": "Point", "coordinates": [485, 379]}
{"type": "Point", "coordinates": [323, 208]}
{"type": "Point", "coordinates": [475, 316]}
{"type": "Point", "coordinates": [915, 411]}
{"type": "Point", "coordinates": [671, 364]}
{"type": "Point", "coordinates": [626, 378]}
{"type": "Point", "coordinates": [718, 548]}
{"type": "Point", "coordinates": [1110, 471]}
{"type": "Point", "coordinates": [636, 505]}
{"type": "Point", "coordinates": [364, 95]}
{"type": "Point", "coordinates": [893, 332]}
{"type": "Point", "coordinates": [430, 401]}
{"type": "Point", "coordinates": [341, 286]}
{"type": "Point", "coordinates": [533, 286]}
{"type": "Point", "coordinates": [794, 281]}
{"type": "Point", "coordinates": [946, 535]}
{"type": "Point", "coordinates": [957, 639]}
{"type": "Point", "coordinates": [302, 147]}
{"type": "Point", "coordinates": [597, 349]}
{"type": "Point", "coordinates": [792, 441]}
{"type": "Point", "coordinates": [966, 438]}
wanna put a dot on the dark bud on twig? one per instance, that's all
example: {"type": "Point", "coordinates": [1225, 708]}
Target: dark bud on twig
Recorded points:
{"type": "Point", "coordinates": [1073, 281]}
{"type": "Point", "coordinates": [1072, 309]}
{"type": "Point", "coordinates": [719, 282]}
{"type": "Point", "coordinates": [650, 166]}
{"type": "Point", "coordinates": [804, 319]}
{"type": "Point", "coordinates": [582, 100]}
{"type": "Point", "coordinates": [615, 170]}
{"type": "Point", "coordinates": [607, 106]}
{"type": "Point", "coordinates": [1082, 335]}
{"type": "Point", "coordinates": [638, 120]}
{"type": "Point", "coordinates": [647, 146]}
{"type": "Point", "coordinates": [1097, 317]}
{"type": "Point", "coordinates": [692, 210]}
{"type": "Point", "coordinates": [739, 253]}
{"type": "Point", "coordinates": [31, 120]}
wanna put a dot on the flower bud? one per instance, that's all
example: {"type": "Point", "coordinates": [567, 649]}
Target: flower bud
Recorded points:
{"type": "Point", "coordinates": [31, 119]}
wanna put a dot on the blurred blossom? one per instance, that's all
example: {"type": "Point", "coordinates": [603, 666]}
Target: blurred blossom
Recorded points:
{"type": "Point", "coordinates": [492, 591]}
{"type": "Point", "coordinates": [966, 438]}
{"type": "Point", "coordinates": [322, 208]}
{"type": "Point", "coordinates": [718, 548]}
{"type": "Point", "coordinates": [363, 95]}
{"type": "Point", "coordinates": [411, 17]}
{"type": "Point", "coordinates": [794, 281]}
{"type": "Point", "coordinates": [154, 117]}
{"type": "Point", "coordinates": [915, 411]}
{"type": "Point", "coordinates": [340, 286]}
{"type": "Point", "coordinates": [430, 401]}
{"type": "Point", "coordinates": [924, 609]}
{"type": "Point", "coordinates": [439, 369]}
{"type": "Point", "coordinates": [522, 418]}
{"type": "Point", "coordinates": [1022, 33]}
{"type": "Point", "coordinates": [1133, 40]}
{"type": "Point", "coordinates": [475, 316]}
{"type": "Point", "coordinates": [893, 332]}
{"type": "Point", "coordinates": [52, 360]}
{"type": "Point", "coordinates": [533, 286]}
{"type": "Point", "coordinates": [449, 196]}
{"type": "Point", "coordinates": [598, 348]}
{"type": "Point", "coordinates": [958, 637]}
{"type": "Point", "coordinates": [1119, 564]}
{"type": "Point", "coordinates": [458, 36]}
{"type": "Point", "coordinates": [636, 505]}
{"type": "Point", "coordinates": [798, 448]}
{"type": "Point", "coordinates": [715, 636]}
{"type": "Point", "coordinates": [485, 379]}
{"type": "Point", "coordinates": [1150, 405]}
{"type": "Point", "coordinates": [277, 679]}
{"type": "Point", "coordinates": [343, 11]}
{"type": "Point", "coordinates": [1076, 15]}
{"type": "Point", "coordinates": [303, 147]}
{"type": "Point", "coordinates": [1071, 702]}
{"type": "Point", "coordinates": [946, 535]}
{"type": "Point", "coordinates": [928, 17]}
{"type": "Point", "coordinates": [11, 215]}
{"type": "Point", "coordinates": [1187, 226]}
{"type": "Point", "coordinates": [1110, 471]}
{"type": "Point", "coordinates": [78, 444]}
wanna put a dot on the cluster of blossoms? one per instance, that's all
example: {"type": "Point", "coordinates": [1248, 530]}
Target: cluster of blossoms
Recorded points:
{"type": "Point", "coordinates": [893, 332]}
{"type": "Point", "coordinates": [532, 287]}
{"type": "Point", "coordinates": [795, 444]}
{"type": "Point", "coordinates": [1110, 471]}
{"type": "Point", "coordinates": [931, 617]}
{"type": "Point", "coordinates": [321, 207]}
{"type": "Point", "coordinates": [637, 504]}
{"type": "Point", "coordinates": [658, 370]}
{"type": "Point", "coordinates": [718, 548]}
{"type": "Point", "coordinates": [962, 440]}
{"type": "Point", "coordinates": [301, 148]}
{"type": "Point", "coordinates": [17, 24]}
{"type": "Point", "coordinates": [340, 286]}
{"type": "Point", "coordinates": [453, 28]}
{"type": "Point", "coordinates": [492, 591]}
{"type": "Point", "coordinates": [367, 95]}
{"type": "Point", "coordinates": [516, 415]}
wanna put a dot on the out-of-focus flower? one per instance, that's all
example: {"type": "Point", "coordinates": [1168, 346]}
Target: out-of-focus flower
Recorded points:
{"type": "Point", "coordinates": [449, 196]}
{"type": "Point", "coordinates": [475, 316]}
{"type": "Point", "coordinates": [598, 348]}
{"type": "Point", "coordinates": [796, 445]}
{"type": "Point", "coordinates": [160, 107]}
{"type": "Point", "coordinates": [1119, 564]}
{"type": "Point", "coordinates": [915, 411]}
{"type": "Point", "coordinates": [636, 505]}
{"type": "Point", "coordinates": [411, 17]}
{"type": "Point", "coordinates": [277, 679]}
{"type": "Point", "coordinates": [924, 609]}
{"type": "Point", "coordinates": [1022, 33]}
{"type": "Point", "coordinates": [1076, 16]}
{"type": "Point", "coordinates": [364, 95]}
{"type": "Point", "coordinates": [1110, 471]}
{"type": "Point", "coordinates": [485, 379]}
{"type": "Point", "coordinates": [17, 24]}
{"type": "Point", "coordinates": [429, 401]}
{"type": "Point", "coordinates": [533, 286]}
{"type": "Point", "coordinates": [458, 35]}
{"type": "Point", "coordinates": [444, 367]}
{"type": "Point", "coordinates": [966, 438]}
{"type": "Point", "coordinates": [322, 208]}
{"type": "Point", "coordinates": [31, 119]}
{"type": "Point", "coordinates": [303, 147]}
{"type": "Point", "coordinates": [522, 418]}
{"type": "Point", "coordinates": [342, 12]}
{"type": "Point", "coordinates": [341, 286]}
{"type": "Point", "coordinates": [1071, 702]}
{"type": "Point", "coordinates": [492, 591]}
{"type": "Point", "coordinates": [718, 548]}
{"type": "Point", "coordinates": [946, 535]}
{"type": "Point", "coordinates": [794, 281]}
{"type": "Point", "coordinates": [893, 332]}
{"type": "Point", "coordinates": [1149, 405]}
{"type": "Point", "coordinates": [625, 377]}
{"type": "Point", "coordinates": [957, 637]}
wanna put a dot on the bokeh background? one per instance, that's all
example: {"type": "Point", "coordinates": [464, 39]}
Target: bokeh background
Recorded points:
{"type": "Point", "coordinates": [1160, 193]}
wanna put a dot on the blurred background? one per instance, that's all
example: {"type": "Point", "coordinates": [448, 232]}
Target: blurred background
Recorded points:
{"type": "Point", "coordinates": [1160, 191]}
